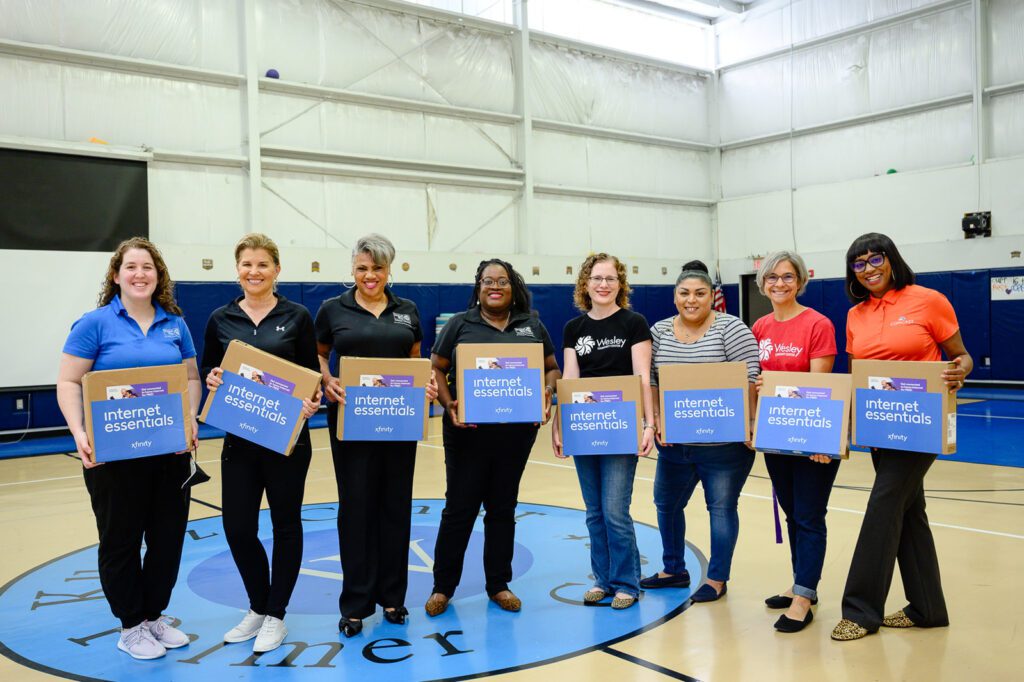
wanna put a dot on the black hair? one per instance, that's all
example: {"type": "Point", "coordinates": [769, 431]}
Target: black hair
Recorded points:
{"type": "Point", "coordinates": [520, 294]}
{"type": "Point", "coordinates": [695, 269]}
{"type": "Point", "coordinates": [697, 265]}
{"type": "Point", "coordinates": [874, 242]}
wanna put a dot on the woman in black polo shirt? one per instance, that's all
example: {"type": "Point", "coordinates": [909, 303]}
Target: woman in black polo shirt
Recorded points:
{"type": "Point", "coordinates": [374, 478]}
{"type": "Point", "coordinates": [484, 463]}
{"type": "Point", "coordinates": [272, 323]}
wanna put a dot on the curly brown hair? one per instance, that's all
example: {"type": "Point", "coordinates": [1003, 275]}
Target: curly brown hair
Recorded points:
{"type": "Point", "coordinates": [164, 293]}
{"type": "Point", "coordinates": [582, 297]}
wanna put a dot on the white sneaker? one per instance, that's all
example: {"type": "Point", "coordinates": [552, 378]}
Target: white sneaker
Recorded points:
{"type": "Point", "coordinates": [138, 643]}
{"type": "Point", "coordinates": [170, 638]}
{"type": "Point", "coordinates": [272, 633]}
{"type": "Point", "coordinates": [246, 630]}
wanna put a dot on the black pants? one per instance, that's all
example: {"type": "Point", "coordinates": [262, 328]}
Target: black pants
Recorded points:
{"type": "Point", "coordinates": [483, 467]}
{"type": "Point", "coordinates": [138, 500]}
{"type": "Point", "coordinates": [247, 470]}
{"type": "Point", "coordinates": [803, 488]}
{"type": "Point", "coordinates": [374, 516]}
{"type": "Point", "coordinates": [895, 528]}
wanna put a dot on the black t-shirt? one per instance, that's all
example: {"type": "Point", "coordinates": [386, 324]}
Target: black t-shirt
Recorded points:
{"type": "Point", "coordinates": [470, 327]}
{"type": "Point", "coordinates": [353, 331]}
{"type": "Point", "coordinates": [604, 347]}
{"type": "Point", "coordinates": [286, 331]}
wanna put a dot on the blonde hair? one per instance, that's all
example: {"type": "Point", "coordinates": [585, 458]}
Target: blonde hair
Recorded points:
{"type": "Point", "coordinates": [257, 240]}
{"type": "Point", "coordinates": [582, 297]}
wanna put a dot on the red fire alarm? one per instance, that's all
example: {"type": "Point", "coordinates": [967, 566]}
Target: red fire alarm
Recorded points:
{"type": "Point", "coordinates": [810, 273]}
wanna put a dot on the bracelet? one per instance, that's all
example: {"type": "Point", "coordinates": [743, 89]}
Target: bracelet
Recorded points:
{"type": "Point", "coordinates": [648, 425]}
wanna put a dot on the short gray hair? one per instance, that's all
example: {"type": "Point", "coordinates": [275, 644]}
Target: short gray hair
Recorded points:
{"type": "Point", "coordinates": [379, 247]}
{"type": "Point", "coordinates": [695, 274]}
{"type": "Point", "coordinates": [772, 262]}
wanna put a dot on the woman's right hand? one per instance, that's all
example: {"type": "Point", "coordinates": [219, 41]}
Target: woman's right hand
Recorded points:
{"type": "Point", "coordinates": [757, 384]}
{"type": "Point", "coordinates": [84, 450]}
{"type": "Point", "coordinates": [214, 379]}
{"type": "Point", "coordinates": [821, 459]}
{"type": "Point", "coordinates": [453, 415]}
{"type": "Point", "coordinates": [556, 444]}
{"type": "Point", "coordinates": [334, 391]}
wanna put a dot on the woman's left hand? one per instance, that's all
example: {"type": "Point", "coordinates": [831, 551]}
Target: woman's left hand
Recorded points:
{"type": "Point", "coordinates": [954, 376]}
{"type": "Point", "coordinates": [432, 388]}
{"type": "Point", "coordinates": [821, 459]}
{"type": "Point", "coordinates": [548, 395]}
{"type": "Point", "coordinates": [646, 441]}
{"type": "Point", "coordinates": [194, 445]}
{"type": "Point", "coordinates": [311, 407]}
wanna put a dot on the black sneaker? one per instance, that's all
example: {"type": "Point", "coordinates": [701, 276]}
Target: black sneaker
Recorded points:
{"type": "Point", "coordinates": [654, 582]}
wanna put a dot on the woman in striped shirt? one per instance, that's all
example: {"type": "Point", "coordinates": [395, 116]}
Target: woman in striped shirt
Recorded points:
{"type": "Point", "coordinates": [699, 334]}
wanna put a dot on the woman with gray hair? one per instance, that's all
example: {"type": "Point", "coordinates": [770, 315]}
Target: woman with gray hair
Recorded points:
{"type": "Point", "coordinates": [374, 477]}
{"type": "Point", "coordinates": [795, 338]}
{"type": "Point", "coordinates": [699, 334]}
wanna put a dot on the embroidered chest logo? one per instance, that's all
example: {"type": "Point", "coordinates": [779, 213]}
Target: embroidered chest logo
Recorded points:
{"type": "Point", "coordinates": [584, 345]}
{"type": "Point", "coordinates": [172, 333]}
{"type": "Point", "coordinates": [524, 331]}
{"type": "Point", "coordinates": [901, 321]}
{"type": "Point", "coordinates": [280, 328]}
{"type": "Point", "coordinates": [764, 349]}
{"type": "Point", "coordinates": [403, 318]}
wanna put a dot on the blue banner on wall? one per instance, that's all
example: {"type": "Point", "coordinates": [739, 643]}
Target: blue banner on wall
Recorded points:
{"type": "Point", "coordinates": [496, 396]}
{"type": "Point", "coordinates": [800, 426]}
{"type": "Point", "coordinates": [137, 427]}
{"type": "Point", "coordinates": [705, 416]}
{"type": "Point", "coordinates": [384, 413]}
{"type": "Point", "coordinates": [255, 412]}
{"type": "Point", "coordinates": [901, 421]}
{"type": "Point", "coordinates": [598, 428]}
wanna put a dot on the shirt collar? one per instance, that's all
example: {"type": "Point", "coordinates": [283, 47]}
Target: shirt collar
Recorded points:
{"type": "Point", "coordinates": [234, 307]}
{"type": "Point", "coordinates": [348, 299]}
{"type": "Point", "coordinates": [890, 297]}
{"type": "Point", "coordinates": [118, 307]}
{"type": "Point", "coordinates": [473, 315]}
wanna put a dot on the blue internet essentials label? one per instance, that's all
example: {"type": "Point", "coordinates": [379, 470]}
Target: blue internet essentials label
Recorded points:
{"type": "Point", "coordinates": [258, 413]}
{"type": "Point", "coordinates": [799, 427]}
{"type": "Point", "coordinates": [902, 420]}
{"type": "Point", "coordinates": [384, 413]}
{"type": "Point", "coordinates": [705, 416]}
{"type": "Point", "coordinates": [503, 396]}
{"type": "Point", "coordinates": [140, 427]}
{"type": "Point", "coordinates": [599, 428]}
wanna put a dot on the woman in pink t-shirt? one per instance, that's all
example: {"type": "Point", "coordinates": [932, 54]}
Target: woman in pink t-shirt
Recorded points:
{"type": "Point", "coordinates": [794, 338]}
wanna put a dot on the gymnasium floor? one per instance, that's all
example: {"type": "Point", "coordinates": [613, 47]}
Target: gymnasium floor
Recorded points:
{"type": "Point", "coordinates": [53, 620]}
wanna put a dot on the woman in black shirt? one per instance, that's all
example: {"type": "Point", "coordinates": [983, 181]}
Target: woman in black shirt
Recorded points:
{"type": "Point", "coordinates": [374, 477]}
{"type": "Point", "coordinates": [484, 463]}
{"type": "Point", "coordinates": [608, 340]}
{"type": "Point", "coordinates": [270, 322]}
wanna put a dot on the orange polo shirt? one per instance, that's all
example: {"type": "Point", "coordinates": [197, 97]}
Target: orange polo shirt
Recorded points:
{"type": "Point", "coordinates": [908, 324]}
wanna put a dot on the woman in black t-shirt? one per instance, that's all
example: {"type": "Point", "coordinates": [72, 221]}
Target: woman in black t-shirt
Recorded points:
{"type": "Point", "coordinates": [270, 322]}
{"type": "Point", "coordinates": [608, 340]}
{"type": "Point", "coordinates": [484, 463]}
{"type": "Point", "coordinates": [374, 477]}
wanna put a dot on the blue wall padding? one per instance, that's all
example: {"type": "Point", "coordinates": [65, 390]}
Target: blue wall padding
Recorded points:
{"type": "Point", "coordinates": [990, 329]}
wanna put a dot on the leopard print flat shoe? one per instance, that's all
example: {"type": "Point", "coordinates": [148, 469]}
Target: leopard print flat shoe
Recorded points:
{"type": "Point", "coordinates": [897, 620]}
{"type": "Point", "coordinates": [847, 630]}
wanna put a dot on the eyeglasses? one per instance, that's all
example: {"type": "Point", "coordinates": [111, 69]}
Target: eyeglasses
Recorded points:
{"type": "Point", "coordinates": [490, 282]}
{"type": "Point", "coordinates": [875, 260]}
{"type": "Point", "coordinates": [604, 280]}
{"type": "Point", "coordinates": [788, 278]}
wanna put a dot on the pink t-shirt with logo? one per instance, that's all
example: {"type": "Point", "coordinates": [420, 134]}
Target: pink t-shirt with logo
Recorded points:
{"type": "Point", "coordinates": [791, 345]}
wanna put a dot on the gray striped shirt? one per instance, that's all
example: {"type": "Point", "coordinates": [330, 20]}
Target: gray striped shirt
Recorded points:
{"type": "Point", "coordinates": [726, 340]}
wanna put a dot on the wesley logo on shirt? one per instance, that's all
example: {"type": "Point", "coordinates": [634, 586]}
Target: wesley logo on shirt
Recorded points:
{"type": "Point", "coordinates": [586, 344]}
{"type": "Point", "coordinates": [765, 349]}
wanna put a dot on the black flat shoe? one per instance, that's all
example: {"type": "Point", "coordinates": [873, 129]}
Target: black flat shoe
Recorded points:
{"type": "Point", "coordinates": [655, 581]}
{"type": "Point", "coordinates": [396, 615]}
{"type": "Point", "coordinates": [784, 624]}
{"type": "Point", "coordinates": [350, 627]}
{"type": "Point", "coordinates": [781, 601]}
{"type": "Point", "coordinates": [707, 593]}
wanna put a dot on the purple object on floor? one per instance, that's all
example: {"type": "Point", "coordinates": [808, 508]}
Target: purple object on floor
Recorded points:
{"type": "Point", "coordinates": [272, 73]}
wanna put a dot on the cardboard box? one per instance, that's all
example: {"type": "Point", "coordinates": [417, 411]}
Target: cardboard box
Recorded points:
{"type": "Point", "coordinates": [500, 382]}
{"type": "Point", "coordinates": [385, 399]}
{"type": "Point", "coordinates": [601, 416]}
{"type": "Point", "coordinates": [903, 406]}
{"type": "Point", "coordinates": [803, 413]}
{"type": "Point", "coordinates": [261, 399]}
{"type": "Point", "coordinates": [139, 412]}
{"type": "Point", "coordinates": [706, 402]}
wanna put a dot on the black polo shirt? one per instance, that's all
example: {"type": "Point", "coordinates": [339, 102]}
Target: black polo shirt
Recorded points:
{"type": "Point", "coordinates": [286, 331]}
{"type": "Point", "coordinates": [470, 327]}
{"type": "Point", "coordinates": [352, 330]}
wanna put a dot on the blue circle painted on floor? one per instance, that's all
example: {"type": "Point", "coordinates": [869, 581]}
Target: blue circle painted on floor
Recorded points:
{"type": "Point", "coordinates": [65, 627]}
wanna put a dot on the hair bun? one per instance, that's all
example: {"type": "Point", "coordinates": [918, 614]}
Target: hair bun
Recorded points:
{"type": "Point", "coordinates": [697, 265]}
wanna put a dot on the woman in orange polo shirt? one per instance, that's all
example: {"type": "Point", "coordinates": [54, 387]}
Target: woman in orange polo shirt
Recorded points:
{"type": "Point", "coordinates": [894, 319]}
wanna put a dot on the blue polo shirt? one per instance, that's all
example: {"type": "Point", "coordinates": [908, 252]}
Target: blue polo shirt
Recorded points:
{"type": "Point", "coordinates": [113, 340]}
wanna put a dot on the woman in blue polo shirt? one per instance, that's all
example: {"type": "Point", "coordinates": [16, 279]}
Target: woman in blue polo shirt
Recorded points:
{"type": "Point", "coordinates": [264, 319]}
{"type": "Point", "coordinates": [137, 324]}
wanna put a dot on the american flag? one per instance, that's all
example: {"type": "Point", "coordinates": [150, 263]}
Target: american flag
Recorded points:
{"type": "Point", "coordinates": [719, 302]}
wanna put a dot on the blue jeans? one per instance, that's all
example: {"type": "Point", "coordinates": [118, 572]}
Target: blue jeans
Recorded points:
{"type": "Point", "coordinates": [607, 485]}
{"type": "Point", "coordinates": [722, 471]}
{"type": "Point", "coordinates": [803, 488]}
